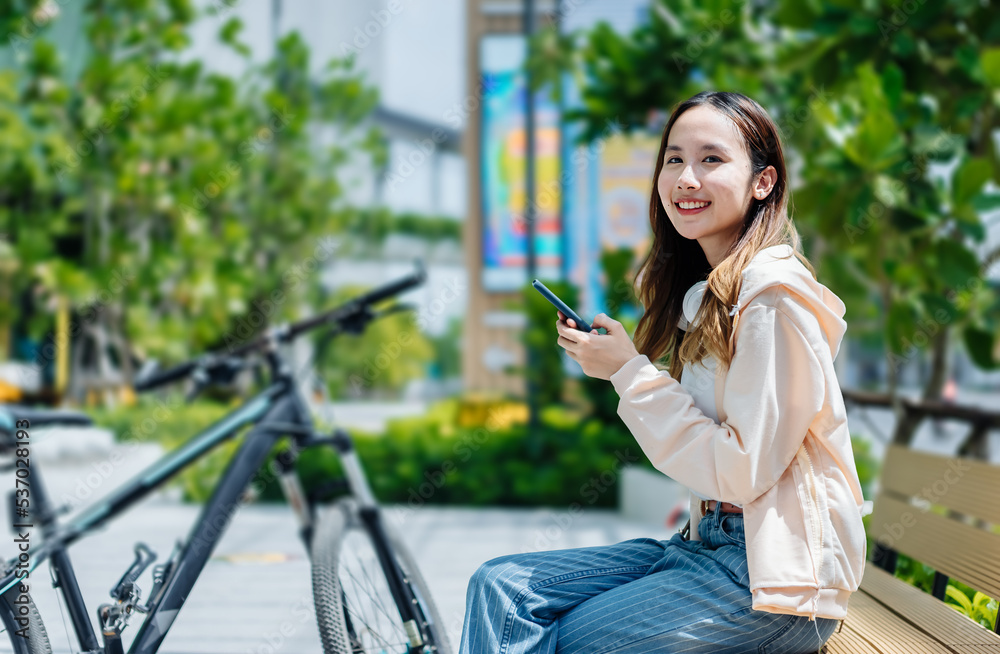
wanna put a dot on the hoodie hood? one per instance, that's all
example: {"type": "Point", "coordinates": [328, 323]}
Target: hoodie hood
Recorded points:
{"type": "Point", "coordinates": [778, 266]}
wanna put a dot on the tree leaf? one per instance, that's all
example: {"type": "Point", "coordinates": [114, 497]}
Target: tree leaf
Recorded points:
{"type": "Point", "coordinates": [981, 344]}
{"type": "Point", "coordinates": [959, 598]}
{"type": "Point", "coordinates": [956, 264]}
{"type": "Point", "coordinates": [990, 61]}
{"type": "Point", "coordinates": [969, 178]}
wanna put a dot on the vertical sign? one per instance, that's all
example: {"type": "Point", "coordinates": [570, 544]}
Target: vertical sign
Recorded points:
{"type": "Point", "coordinates": [503, 171]}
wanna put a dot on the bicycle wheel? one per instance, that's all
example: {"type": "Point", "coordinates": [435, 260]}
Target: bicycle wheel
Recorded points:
{"type": "Point", "coordinates": [354, 608]}
{"type": "Point", "coordinates": [35, 639]}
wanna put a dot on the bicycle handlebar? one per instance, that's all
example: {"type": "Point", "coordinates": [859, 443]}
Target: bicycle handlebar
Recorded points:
{"type": "Point", "coordinates": [165, 377]}
{"type": "Point", "coordinates": [289, 333]}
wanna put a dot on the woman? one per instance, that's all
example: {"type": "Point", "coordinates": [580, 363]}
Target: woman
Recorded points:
{"type": "Point", "coordinates": [755, 428]}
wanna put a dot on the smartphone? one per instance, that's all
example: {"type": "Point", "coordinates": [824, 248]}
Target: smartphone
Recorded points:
{"type": "Point", "coordinates": [581, 324]}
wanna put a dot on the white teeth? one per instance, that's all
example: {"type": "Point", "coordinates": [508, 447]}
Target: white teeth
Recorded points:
{"type": "Point", "coordinates": [692, 205]}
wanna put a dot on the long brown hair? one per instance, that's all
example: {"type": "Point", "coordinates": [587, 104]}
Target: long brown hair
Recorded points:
{"type": "Point", "coordinates": [674, 263]}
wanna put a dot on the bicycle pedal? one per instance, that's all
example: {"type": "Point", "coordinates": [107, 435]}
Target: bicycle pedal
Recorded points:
{"type": "Point", "coordinates": [126, 588]}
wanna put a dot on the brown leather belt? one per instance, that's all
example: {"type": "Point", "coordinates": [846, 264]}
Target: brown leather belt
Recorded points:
{"type": "Point", "coordinates": [725, 507]}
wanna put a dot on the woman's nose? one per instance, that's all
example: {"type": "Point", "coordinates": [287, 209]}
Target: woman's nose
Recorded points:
{"type": "Point", "coordinates": [687, 179]}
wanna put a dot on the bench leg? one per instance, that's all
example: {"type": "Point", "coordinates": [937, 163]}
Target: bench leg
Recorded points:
{"type": "Point", "coordinates": [885, 558]}
{"type": "Point", "coordinates": [940, 584]}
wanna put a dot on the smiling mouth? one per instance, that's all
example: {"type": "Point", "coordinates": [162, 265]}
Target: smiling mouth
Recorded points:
{"type": "Point", "coordinates": [687, 212]}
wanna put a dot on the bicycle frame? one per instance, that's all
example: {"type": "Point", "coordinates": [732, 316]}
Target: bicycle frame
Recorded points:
{"type": "Point", "coordinates": [276, 412]}
{"type": "Point", "coordinates": [273, 412]}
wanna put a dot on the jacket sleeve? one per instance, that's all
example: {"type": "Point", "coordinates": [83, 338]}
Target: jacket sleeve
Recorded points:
{"type": "Point", "coordinates": [774, 389]}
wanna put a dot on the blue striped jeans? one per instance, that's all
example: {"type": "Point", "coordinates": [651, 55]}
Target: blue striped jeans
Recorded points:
{"type": "Point", "coordinates": [637, 596]}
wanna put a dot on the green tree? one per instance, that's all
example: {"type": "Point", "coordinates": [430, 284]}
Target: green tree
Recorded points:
{"type": "Point", "coordinates": [169, 204]}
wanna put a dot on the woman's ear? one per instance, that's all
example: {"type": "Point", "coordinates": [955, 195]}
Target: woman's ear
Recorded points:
{"type": "Point", "coordinates": [765, 182]}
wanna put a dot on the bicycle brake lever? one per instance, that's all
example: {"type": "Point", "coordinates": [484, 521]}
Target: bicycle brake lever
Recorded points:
{"type": "Point", "coordinates": [201, 380]}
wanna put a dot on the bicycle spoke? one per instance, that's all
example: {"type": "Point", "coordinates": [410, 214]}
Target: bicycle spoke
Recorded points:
{"type": "Point", "coordinates": [374, 633]}
{"type": "Point", "coordinates": [367, 624]}
{"type": "Point", "coordinates": [365, 602]}
{"type": "Point", "coordinates": [372, 596]}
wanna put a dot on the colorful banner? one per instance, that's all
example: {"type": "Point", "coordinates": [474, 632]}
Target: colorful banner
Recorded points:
{"type": "Point", "coordinates": [608, 208]}
{"type": "Point", "coordinates": [503, 172]}
{"type": "Point", "coordinates": [626, 182]}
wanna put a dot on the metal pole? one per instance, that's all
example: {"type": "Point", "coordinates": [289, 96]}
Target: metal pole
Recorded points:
{"type": "Point", "coordinates": [529, 218]}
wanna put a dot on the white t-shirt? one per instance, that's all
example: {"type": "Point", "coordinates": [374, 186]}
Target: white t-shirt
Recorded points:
{"type": "Point", "coordinates": [699, 379]}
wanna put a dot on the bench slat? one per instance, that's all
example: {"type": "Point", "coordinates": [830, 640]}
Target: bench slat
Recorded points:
{"type": "Point", "coordinates": [849, 642]}
{"type": "Point", "coordinates": [963, 485]}
{"type": "Point", "coordinates": [947, 624]}
{"type": "Point", "coordinates": [948, 546]}
{"type": "Point", "coordinates": [890, 633]}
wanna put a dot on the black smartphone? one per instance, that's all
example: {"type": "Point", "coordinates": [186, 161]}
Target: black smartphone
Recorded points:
{"type": "Point", "coordinates": [581, 324]}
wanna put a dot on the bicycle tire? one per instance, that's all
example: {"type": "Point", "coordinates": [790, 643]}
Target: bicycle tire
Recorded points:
{"type": "Point", "coordinates": [37, 641]}
{"type": "Point", "coordinates": [336, 612]}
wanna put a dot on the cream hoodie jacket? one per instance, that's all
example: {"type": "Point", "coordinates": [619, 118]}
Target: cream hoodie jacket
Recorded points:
{"type": "Point", "coordinates": [769, 434]}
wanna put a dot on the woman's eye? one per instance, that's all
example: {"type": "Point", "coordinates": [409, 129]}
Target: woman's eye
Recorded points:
{"type": "Point", "coordinates": [711, 156]}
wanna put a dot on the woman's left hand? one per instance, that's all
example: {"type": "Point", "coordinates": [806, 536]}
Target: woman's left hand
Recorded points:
{"type": "Point", "coordinates": [600, 355]}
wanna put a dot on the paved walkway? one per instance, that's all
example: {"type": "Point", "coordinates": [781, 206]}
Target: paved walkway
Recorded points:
{"type": "Point", "coordinates": [255, 594]}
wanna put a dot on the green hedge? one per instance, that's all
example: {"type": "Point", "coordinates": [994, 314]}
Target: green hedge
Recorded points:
{"type": "Point", "coordinates": [427, 459]}
{"type": "Point", "coordinates": [430, 459]}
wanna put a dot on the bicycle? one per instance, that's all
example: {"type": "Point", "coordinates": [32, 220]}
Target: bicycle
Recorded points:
{"type": "Point", "coordinates": [386, 607]}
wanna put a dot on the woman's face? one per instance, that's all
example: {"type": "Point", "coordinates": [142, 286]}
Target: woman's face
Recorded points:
{"type": "Point", "coordinates": [705, 167]}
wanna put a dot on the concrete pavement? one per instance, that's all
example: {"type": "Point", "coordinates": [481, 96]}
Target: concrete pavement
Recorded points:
{"type": "Point", "coordinates": [255, 594]}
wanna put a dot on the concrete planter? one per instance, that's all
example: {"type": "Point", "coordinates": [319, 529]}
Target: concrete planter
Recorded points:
{"type": "Point", "coordinates": [652, 497]}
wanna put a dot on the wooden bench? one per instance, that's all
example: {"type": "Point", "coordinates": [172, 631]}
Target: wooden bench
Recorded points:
{"type": "Point", "coordinates": [958, 539]}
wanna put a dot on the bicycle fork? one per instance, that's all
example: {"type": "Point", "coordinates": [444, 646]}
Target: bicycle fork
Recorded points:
{"type": "Point", "coordinates": [399, 585]}
{"type": "Point", "coordinates": [291, 488]}
{"type": "Point", "coordinates": [368, 510]}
